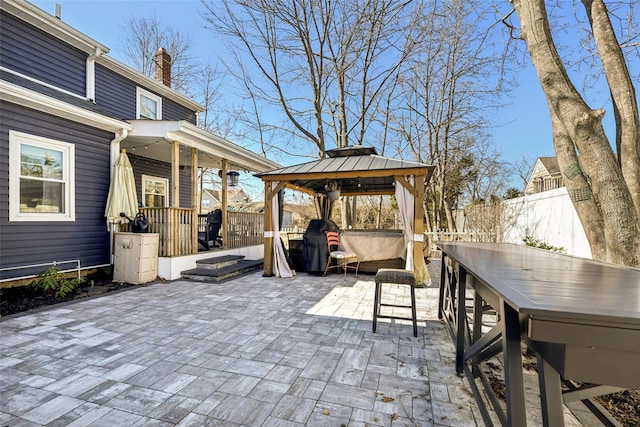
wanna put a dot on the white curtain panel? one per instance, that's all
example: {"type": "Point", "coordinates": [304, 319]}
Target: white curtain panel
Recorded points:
{"type": "Point", "coordinates": [405, 201]}
{"type": "Point", "coordinates": [280, 264]}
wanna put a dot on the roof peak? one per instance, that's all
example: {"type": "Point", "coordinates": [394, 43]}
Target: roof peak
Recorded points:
{"type": "Point", "coordinates": [352, 150]}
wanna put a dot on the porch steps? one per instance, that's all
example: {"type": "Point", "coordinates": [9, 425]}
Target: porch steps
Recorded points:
{"type": "Point", "coordinates": [221, 268]}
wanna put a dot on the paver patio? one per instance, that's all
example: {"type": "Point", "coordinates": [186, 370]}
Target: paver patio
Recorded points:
{"type": "Point", "coordinates": [253, 351]}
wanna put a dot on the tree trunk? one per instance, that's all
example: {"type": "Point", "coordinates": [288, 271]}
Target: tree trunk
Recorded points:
{"type": "Point", "coordinates": [585, 135]}
{"type": "Point", "coordinates": [623, 95]}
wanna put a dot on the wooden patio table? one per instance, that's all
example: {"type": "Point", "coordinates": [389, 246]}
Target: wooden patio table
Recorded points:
{"type": "Point", "coordinates": [580, 317]}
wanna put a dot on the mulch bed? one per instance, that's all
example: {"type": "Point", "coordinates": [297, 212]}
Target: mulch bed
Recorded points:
{"type": "Point", "coordinates": [624, 406]}
{"type": "Point", "coordinates": [21, 299]}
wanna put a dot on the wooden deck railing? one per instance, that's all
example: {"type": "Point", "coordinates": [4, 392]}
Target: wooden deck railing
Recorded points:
{"type": "Point", "coordinates": [178, 229]}
{"type": "Point", "coordinates": [244, 229]}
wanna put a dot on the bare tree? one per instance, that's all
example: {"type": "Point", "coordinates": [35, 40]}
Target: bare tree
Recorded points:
{"type": "Point", "coordinates": [442, 115]}
{"type": "Point", "coordinates": [604, 185]}
{"type": "Point", "coordinates": [323, 64]}
{"type": "Point", "coordinates": [142, 37]}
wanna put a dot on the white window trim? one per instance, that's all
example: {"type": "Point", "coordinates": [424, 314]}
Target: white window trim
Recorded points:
{"type": "Point", "coordinates": [140, 91]}
{"type": "Point", "coordinates": [155, 178]}
{"type": "Point", "coordinates": [68, 176]}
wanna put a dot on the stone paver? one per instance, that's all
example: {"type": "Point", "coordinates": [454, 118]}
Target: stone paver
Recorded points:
{"type": "Point", "coordinates": [254, 351]}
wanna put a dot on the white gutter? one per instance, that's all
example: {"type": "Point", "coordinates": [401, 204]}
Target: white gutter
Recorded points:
{"type": "Point", "coordinates": [31, 99]}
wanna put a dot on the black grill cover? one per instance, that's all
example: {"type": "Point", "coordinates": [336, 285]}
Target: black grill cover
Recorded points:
{"type": "Point", "coordinates": [315, 249]}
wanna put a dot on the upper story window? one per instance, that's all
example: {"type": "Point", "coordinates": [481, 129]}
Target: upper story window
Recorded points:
{"type": "Point", "coordinates": [155, 191]}
{"type": "Point", "coordinates": [42, 179]}
{"type": "Point", "coordinates": [148, 105]}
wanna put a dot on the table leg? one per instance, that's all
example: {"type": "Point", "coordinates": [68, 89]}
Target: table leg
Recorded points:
{"type": "Point", "coordinates": [443, 281]}
{"type": "Point", "coordinates": [461, 318]}
{"type": "Point", "coordinates": [478, 311]}
{"type": "Point", "coordinates": [550, 394]}
{"type": "Point", "coordinates": [514, 382]}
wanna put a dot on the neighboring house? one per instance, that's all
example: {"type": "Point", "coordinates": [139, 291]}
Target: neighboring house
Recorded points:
{"type": "Point", "coordinates": [235, 196]}
{"type": "Point", "coordinates": [546, 176]}
{"type": "Point", "coordinates": [67, 109]}
{"type": "Point", "coordinates": [545, 212]}
{"type": "Point", "coordinates": [209, 201]}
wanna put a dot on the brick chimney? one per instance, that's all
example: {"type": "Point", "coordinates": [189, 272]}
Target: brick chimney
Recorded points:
{"type": "Point", "coordinates": [163, 67]}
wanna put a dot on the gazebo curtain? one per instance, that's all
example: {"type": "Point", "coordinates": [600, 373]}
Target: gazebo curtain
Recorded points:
{"type": "Point", "coordinates": [280, 265]}
{"type": "Point", "coordinates": [406, 206]}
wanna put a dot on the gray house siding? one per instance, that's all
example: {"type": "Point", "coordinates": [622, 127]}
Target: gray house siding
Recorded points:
{"type": "Point", "coordinates": [29, 51]}
{"type": "Point", "coordinates": [173, 111]}
{"type": "Point", "coordinates": [86, 238]}
{"type": "Point", "coordinates": [145, 166]}
{"type": "Point", "coordinates": [117, 95]}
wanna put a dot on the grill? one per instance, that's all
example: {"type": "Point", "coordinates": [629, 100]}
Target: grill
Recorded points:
{"type": "Point", "coordinates": [314, 248]}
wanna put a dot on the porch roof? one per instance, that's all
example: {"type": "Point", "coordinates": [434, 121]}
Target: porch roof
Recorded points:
{"type": "Point", "coordinates": [152, 139]}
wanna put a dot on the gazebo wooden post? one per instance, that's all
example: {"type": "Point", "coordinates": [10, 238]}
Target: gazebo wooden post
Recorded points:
{"type": "Point", "coordinates": [418, 224]}
{"type": "Point", "coordinates": [268, 231]}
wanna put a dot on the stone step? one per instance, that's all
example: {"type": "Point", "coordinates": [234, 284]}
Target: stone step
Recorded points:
{"type": "Point", "coordinates": [219, 262]}
{"type": "Point", "coordinates": [219, 274]}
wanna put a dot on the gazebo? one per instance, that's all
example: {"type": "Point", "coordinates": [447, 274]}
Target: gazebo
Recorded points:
{"type": "Point", "coordinates": [355, 170]}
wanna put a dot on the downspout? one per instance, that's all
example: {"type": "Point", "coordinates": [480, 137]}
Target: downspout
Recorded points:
{"type": "Point", "coordinates": [115, 149]}
{"type": "Point", "coordinates": [90, 76]}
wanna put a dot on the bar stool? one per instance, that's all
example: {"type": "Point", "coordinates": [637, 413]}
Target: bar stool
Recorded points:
{"type": "Point", "coordinates": [399, 277]}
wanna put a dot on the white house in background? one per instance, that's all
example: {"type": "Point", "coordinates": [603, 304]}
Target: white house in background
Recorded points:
{"type": "Point", "coordinates": [546, 176]}
{"type": "Point", "coordinates": [546, 212]}
{"type": "Point", "coordinates": [209, 201]}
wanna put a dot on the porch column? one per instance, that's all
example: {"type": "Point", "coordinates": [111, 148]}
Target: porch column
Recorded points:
{"type": "Point", "coordinates": [418, 224]}
{"type": "Point", "coordinates": [175, 174]}
{"type": "Point", "coordinates": [223, 194]}
{"type": "Point", "coordinates": [268, 230]}
{"type": "Point", "coordinates": [195, 200]}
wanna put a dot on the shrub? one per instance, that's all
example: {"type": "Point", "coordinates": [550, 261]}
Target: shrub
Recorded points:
{"type": "Point", "coordinates": [532, 241]}
{"type": "Point", "coordinates": [52, 282]}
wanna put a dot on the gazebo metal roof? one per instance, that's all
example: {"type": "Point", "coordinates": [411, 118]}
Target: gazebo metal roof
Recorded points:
{"type": "Point", "coordinates": [358, 169]}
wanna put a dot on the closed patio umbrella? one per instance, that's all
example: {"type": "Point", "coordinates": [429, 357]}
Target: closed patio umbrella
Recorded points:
{"type": "Point", "coordinates": [122, 194]}
{"type": "Point", "coordinates": [122, 191]}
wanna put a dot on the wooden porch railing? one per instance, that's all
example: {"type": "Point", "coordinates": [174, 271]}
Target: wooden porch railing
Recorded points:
{"type": "Point", "coordinates": [178, 229]}
{"type": "Point", "coordinates": [244, 229]}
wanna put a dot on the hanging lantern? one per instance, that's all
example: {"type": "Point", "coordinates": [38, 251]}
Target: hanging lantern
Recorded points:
{"type": "Point", "coordinates": [232, 178]}
{"type": "Point", "coordinates": [333, 190]}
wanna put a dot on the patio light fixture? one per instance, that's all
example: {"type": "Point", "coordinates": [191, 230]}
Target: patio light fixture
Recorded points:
{"type": "Point", "coordinates": [333, 190]}
{"type": "Point", "coordinates": [232, 178]}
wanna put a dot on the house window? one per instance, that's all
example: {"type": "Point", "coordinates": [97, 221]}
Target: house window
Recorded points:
{"type": "Point", "coordinates": [42, 179]}
{"type": "Point", "coordinates": [149, 105]}
{"type": "Point", "coordinates": [155, 191]}
{"type": "Point", "coordinates": [206, 203]}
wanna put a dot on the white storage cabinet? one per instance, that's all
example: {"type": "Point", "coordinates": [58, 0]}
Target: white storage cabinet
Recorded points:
{"type": "Point", "coordinates": [135, 257]}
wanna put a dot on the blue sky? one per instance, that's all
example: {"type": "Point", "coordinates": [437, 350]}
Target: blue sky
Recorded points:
{"type": "Point", "coordinates": [526, 129]}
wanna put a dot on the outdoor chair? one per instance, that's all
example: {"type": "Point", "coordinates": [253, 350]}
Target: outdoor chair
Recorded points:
{"type": "Point", "coordinates": [212, 230]}
{"type": "Point", "coordinates": [343, 258]}
{"type": "Point", "coordinates": [398, 277]}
